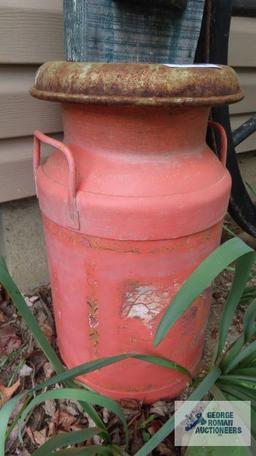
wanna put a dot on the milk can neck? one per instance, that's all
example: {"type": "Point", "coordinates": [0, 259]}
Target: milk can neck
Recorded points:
{"type": "Point", "coordinates": [134, 129]}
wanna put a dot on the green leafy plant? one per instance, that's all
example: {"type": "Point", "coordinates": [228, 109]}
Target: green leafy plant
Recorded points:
{"type": "Point", "coordinates": [232, 375]}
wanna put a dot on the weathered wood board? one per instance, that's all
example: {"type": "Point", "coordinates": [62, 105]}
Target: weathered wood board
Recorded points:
{"type": "Point", "coordinates": [125, 31]}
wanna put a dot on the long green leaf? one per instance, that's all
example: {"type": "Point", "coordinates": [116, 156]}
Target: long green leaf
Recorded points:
{"type": "Point", "coordinates": [243, 267]}
{"type": "Point", "coordinates": [65, 439]}
{"type": "Point", "coordinates": [247, 352]}
{"type": "Point", "coordinates": [103, 362]}
{"type": "Point", "coordinates": [217, 393]}
{"type": "Point", "coordinates": [164, 363]}
{"type": "Point", "coordinates": [201, 279]}
{"type": "Point", "coordinates": [250, 371]}
{"type": "Point", "coordinates": [240, 392]}
{"type": "Point", "coordinates": [241, 378]}
{"type": "Point", "coordinates": [248, 388]}
{"type": "Point", "coordinates": [5, 414]}
{"type": "Point", "coordinates": [232, 352]}
{"type": "Point", "coordinates": [201, 390]}
{"type": "Point", "coordinates": [249, 320]}
{"type": "Point", "coordinates": [77, 395]}
{"type": "Point", "coordinates": [20, 303]}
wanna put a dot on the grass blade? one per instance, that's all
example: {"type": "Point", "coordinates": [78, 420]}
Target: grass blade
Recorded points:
{"type": "Point", "coordinates": [201, 279]}
{"type": "Point", "coordinates": [77, 395]}
{"type": "Point", "coordinates": [243, 268]}
{"type": "Point", "coordinates": [20, 304]}
{"type": "Point", "coordinates": [164, 363]}
{"type": "Point", "coordinates": [251, 371]}
{"type": "Point", "coordinates": [239, 392]}
{"type": "Point", "coordinates": [5, 414]}
{"type": "Point", "coordinates": [248, 388]}
{"type": "Point", "coordinates": [242, 356]}
{"type": "Point", "coordinates": [202, 389]}
{"type": "Point", "coordinates": [103, 362]}
{"type": "Point", "coordinates": [218, 394]}
{"type": "Point", "coordinates": [232, 352]}
{"type": "Point", "coordinates": [241, 378]}
{"type": "Point", "coordinates": [64, 439]}
{"type": "Point", "coordinates": [249, 320]}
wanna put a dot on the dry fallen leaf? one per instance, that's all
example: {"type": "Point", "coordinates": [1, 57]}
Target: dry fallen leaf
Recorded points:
{"type": "Point", "coordinates": [51, 429]}
{"type": "Point", "coordinates": [30, 434]}
{"type": "Point", "coordinates": [30, 300]}
{"type": "Point", "coordinates": [71, 408]}
{"type": "Point", "coordinates": [25, 371]}
{"type": "Point", "coordinates": [9, 341]}
{"type": "Point", "coordinates": [130, 407]}
{"type": "Point", "coordinates": [154, 427]}
{"type": "Point", "coordinates": [40, 437]}
{"type": "Point", "coordinates": [2, 317]}
{"type": "Point", "coordinates": [37, 437]}
{"type": "Point", "coordinates": [105, 415]}
{"type": "Point", "coordinates": [165, 451]}
{"type": "Point", "coordinates": [64, 420]}
{"type": "Point", "coordinates": [7, 392]}
{"type": "Point", "coordinates": [162, 408]}
{"type": "Point", "coordinates": [50, 408]}
{"type": "Point", "coordinates": [48, 370]}
{"type": "Point", "coordinates": [22, 452]}
{"type": "Point", "coordinates": [131, 404]}
{"type": "Point", "coordinates": [47, 330]}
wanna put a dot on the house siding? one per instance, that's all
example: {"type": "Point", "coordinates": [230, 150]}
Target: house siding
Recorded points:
{"type": "Point", "coordinates": [31, 32]}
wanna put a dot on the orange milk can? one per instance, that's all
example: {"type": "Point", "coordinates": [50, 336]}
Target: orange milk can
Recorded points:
{"type": "Point", "coordinates": [132, 201]}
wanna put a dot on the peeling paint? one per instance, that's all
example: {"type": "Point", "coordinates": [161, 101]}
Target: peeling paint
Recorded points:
{"type": "Point", "coordinates": [93, 320]}
{"type": "Point", "coordinates": [144, 302]}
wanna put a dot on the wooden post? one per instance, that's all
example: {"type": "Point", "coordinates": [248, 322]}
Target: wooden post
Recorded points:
{"type": "Point", "coordinates": [152, 31]}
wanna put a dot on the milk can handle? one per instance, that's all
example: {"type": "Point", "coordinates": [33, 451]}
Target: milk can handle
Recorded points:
{"type": "Point", "coordinates": [73, 219]}
{"type": "Point", "coordinates": [223, 140]}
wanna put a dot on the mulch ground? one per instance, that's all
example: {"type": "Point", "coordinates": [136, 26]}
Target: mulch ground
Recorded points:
{"type": "Point", "coordinates": [22, 365]}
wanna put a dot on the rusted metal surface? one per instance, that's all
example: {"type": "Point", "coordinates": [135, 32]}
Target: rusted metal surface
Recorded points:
{"type": "Point", "coordinates": [140, 84]}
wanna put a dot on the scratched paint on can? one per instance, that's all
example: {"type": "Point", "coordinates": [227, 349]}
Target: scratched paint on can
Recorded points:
{"type": "Point", "coordinates": [144, 302]}
{"type": "Point", "coordinates": [93, 321]}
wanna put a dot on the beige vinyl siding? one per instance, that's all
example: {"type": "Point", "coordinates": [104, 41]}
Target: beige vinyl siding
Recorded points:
{"type": "Point", "coordinates": [242, 56]}
{"type": "Point", "coordinates": [31, 32]}
{"type": "Point", "coordinates": [16, 167]}
{"type": "Point", "coordinates": [20, 113]}
{"type": "Point", "coordinates": [242, 42]}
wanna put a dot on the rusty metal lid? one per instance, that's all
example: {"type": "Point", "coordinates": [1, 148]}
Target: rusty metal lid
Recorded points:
{"type": "Point", "coordinates": [134, 83]}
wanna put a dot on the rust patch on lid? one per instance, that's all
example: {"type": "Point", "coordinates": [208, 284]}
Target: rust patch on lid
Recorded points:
{"type": "Point", "coordinates": [134, 83]}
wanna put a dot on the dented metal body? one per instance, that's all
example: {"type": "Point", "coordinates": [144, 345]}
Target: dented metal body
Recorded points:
{"type": "Point", "coordinates": [132, 202]}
